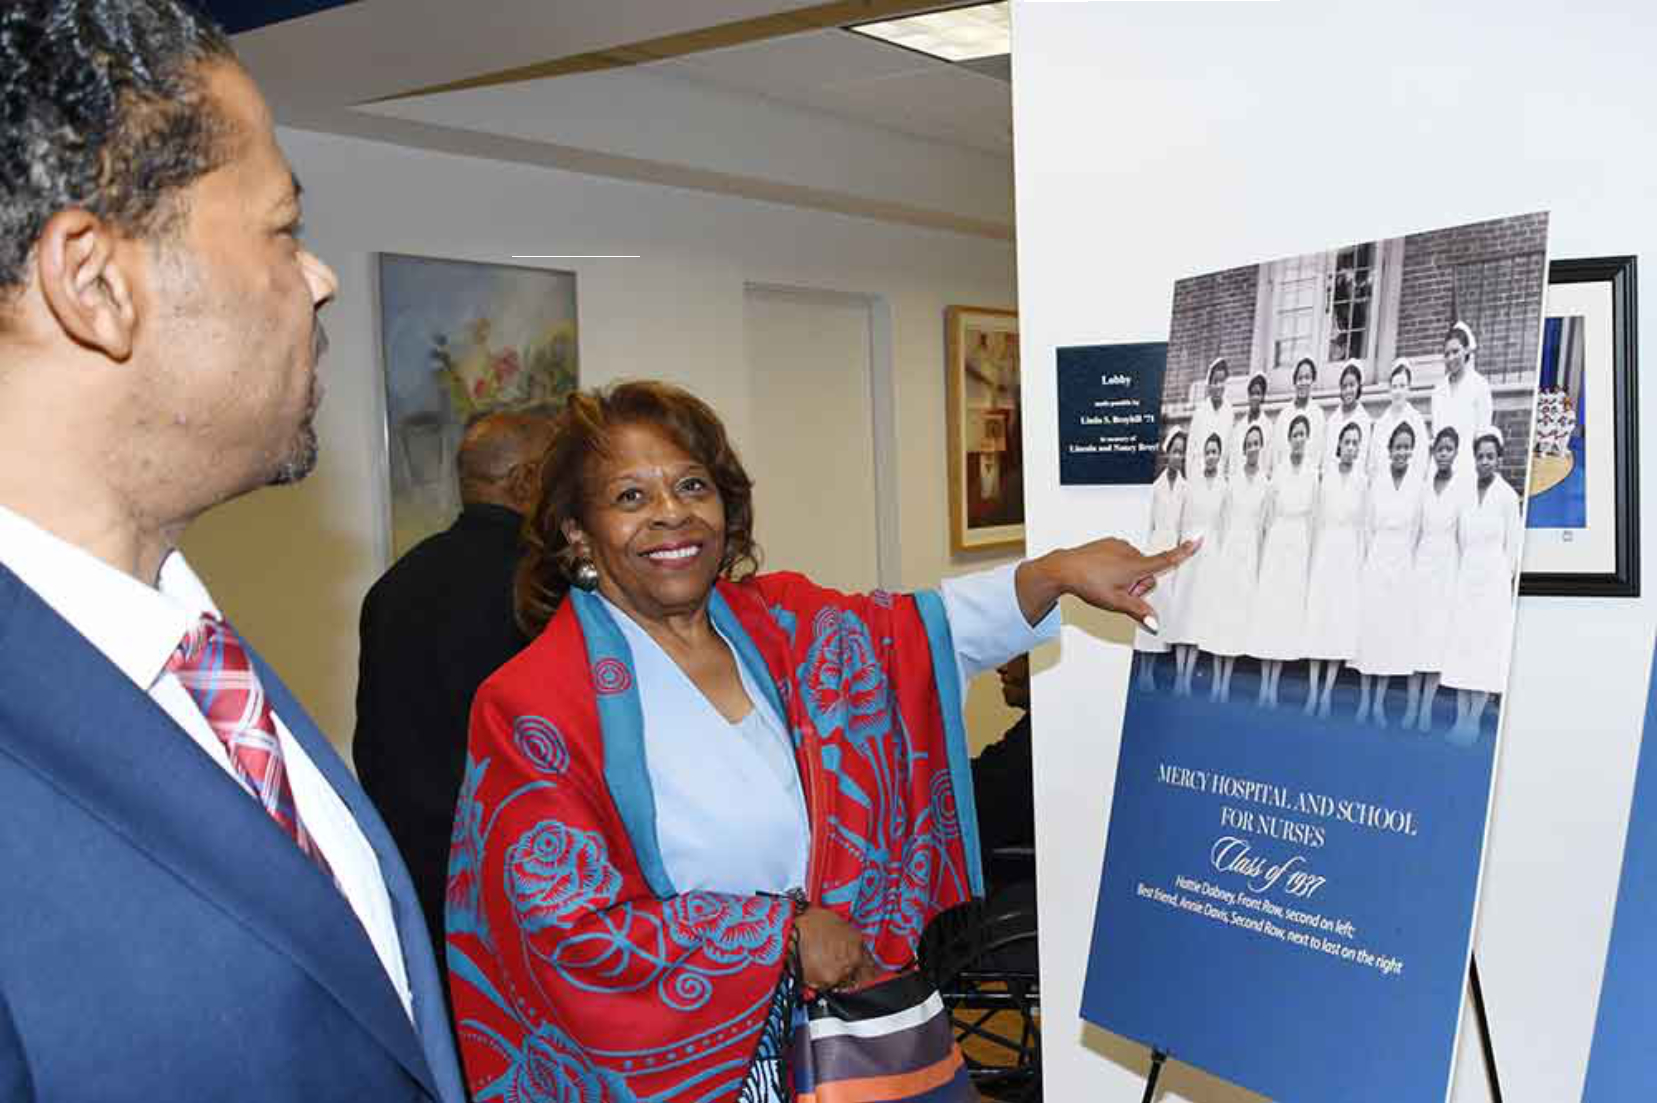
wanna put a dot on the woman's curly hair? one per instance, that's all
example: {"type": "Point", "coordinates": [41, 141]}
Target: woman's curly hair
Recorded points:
{"type": "Point", "coordinates": [582, 433]}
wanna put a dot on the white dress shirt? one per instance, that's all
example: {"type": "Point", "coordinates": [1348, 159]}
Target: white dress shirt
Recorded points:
{"type": "Point", "coordinates": [730, 811]}
{"type": "Point", "coordinates": [137, 628]}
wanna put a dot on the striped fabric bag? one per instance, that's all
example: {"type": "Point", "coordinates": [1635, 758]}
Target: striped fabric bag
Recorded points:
{"type": "Point", "coordinates": [886, 1043]}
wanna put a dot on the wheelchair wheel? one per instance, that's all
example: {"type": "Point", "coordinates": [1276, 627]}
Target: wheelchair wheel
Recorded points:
{"type": "Point", "coordinates": [982, 956]}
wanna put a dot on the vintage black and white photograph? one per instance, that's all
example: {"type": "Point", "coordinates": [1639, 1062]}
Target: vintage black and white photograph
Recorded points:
{"type": "Point", "coordinates": [1349, 434]}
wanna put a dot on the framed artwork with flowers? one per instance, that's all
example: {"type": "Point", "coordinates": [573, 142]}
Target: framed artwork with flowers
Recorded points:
{"type": "Point", "coordinates": [458, 340]}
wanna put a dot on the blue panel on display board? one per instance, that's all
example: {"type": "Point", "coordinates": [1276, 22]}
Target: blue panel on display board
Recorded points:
{"type": "Point", "coordinates": [1272, 877]}
{"type": "Point", "coordinates": [1621, 1066]}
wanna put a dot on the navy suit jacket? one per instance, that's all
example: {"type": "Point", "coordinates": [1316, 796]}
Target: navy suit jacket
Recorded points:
{"type": "Point", "coordinates": [160, 938]}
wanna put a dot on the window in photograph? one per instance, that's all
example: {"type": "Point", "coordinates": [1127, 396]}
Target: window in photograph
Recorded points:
{"type": "Point", "coordinates": [1353, 293]}
{"type": "Point", "coordinates": [1324, 305]}
{"type": "Point", "coordinates": [1298, 291]}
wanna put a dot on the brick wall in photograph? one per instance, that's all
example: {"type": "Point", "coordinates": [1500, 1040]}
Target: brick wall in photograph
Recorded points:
{"type": "Point", "coordinates": [1513, 417]}
{"type": "Point", "coordinates": [1213, 316]}
{"type": "Point", "coordinates": [1489, 275]}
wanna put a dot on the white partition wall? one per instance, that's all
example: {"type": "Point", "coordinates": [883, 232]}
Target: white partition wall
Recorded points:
{"type": "Point", "coordinates": [1156, 141]}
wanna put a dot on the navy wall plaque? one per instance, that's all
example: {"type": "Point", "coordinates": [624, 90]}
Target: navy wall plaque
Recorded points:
{"type": "Point", "coordinates": [1110, 401]}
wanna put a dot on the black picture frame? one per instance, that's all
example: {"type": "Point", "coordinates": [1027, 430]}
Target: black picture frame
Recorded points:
{"type": "Point", "coordinates": [1624, 579]}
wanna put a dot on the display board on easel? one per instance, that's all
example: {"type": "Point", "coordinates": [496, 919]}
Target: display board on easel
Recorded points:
{"type": "Point", "coordinates": [1303, 785]}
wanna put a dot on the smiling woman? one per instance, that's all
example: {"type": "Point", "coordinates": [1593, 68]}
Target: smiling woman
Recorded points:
{"type": "Point", "coordinates": [737, 783]}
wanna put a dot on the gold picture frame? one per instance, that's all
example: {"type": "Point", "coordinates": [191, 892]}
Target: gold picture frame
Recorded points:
{"type": "Point", "coordinates": [985, 434]}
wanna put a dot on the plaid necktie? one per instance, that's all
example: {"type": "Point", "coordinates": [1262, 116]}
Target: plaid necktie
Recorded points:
{"type": "Point", "coordinates": [212, 664]}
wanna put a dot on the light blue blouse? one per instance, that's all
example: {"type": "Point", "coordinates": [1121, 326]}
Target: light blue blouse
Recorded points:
{"type": "Point", "coordinates": [730, 811]}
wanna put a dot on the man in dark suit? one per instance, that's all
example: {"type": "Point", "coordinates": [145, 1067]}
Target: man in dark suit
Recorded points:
{"type": "Point", "coordinates": [433, 628]}
{"type": "Point", "coordinates": [200, 903]}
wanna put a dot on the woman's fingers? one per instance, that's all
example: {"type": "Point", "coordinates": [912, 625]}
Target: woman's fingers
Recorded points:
{"type": "Point", "coordinates": [831, 949]}
{"type": "Point", "coordinates": [1139, 609]}
{"type": "Point", "coordinates": [1173, 557]}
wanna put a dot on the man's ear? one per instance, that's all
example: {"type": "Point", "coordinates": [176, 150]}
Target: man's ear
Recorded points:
{"type": "Point", "coordinates": [84, 284]}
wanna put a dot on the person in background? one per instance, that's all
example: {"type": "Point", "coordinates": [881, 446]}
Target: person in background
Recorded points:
{"type": "Point", "coordinates": [1491, 535]}
{"type": "Point", "coordinates": [1278, 623]}
{"type": "Point", "coordinates": [1332, 604]}
{"type": "Point", "coordinates": [1350, 412]}
{"type": "Point", "coordinates": [696, 772]}
{"type": "Point", "coordinates": [200, 901]}
{"type": "Point", "coordinates": [1386, 633]}
{"type": "Point", "coordinates": [433, 628]}
{"type": "Point", "coordinates": [1462, 398]}
{"type": "Point", "coordinates": [1305, 376]}
{"type": "Point", "coordinates": [1167, 502]}
{"type": "Point", "coordinates": [1437, 559]}
{"type": "Point", "coordinates": [1003, 783]}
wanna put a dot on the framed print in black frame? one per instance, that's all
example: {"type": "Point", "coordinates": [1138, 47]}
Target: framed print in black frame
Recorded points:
{"type": "Point", "coordinates": [1583, 523]}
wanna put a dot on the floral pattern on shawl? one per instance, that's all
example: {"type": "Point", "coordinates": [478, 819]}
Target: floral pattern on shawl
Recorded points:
{"type": "Point", "coordinates": [842, 683]}
{"type": "Point", "coordinates": [732, 929]}
{"type": "Point", "coordinates": [541, 744]}
{"type": "Point", "coordinates": [594, 987]}
{"type": "Point", "coordinates": [551, 1069]}
{"type": "Point", "coordinates": [554, 872]}
{"type": "Point", "coordinates": [463, 912]}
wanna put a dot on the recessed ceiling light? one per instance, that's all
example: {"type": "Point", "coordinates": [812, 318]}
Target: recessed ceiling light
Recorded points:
{"type": "Point", "coordinates": [959, 34]}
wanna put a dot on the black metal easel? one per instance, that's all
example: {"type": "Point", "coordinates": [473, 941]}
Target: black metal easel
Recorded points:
{"type": "Point", "coordinates": [1158, 1057]}
{"type": "Point", "coordinates": [1484, 1029]}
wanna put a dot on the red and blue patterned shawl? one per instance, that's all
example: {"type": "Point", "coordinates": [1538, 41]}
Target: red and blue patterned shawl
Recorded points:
{"type": "Point", "coordinates": [578, 972]}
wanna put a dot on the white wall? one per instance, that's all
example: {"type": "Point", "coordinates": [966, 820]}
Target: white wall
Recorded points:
{"type": "Point", "coordinates": [291, 565]}
{"type": "Point", "coordinates": [1156, 141]}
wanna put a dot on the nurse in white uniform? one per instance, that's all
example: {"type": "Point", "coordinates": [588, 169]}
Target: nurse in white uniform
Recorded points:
{"type": "Point", "coordinates": [1227, 599]}
{"type": "Point", "coordinates": [1482, 624]}
{"type": "Point", "coordinates": [1278, 631]}
{"type": "Point", "coordinates": [1305, 375]}
{"type": "Point", "coordinates": [1253, 417]}
{"type": "Point", "coordinates": [1462, 397]}
{"type": "Point", "coordinates": [1350, 412]}
{"type": "Point", "coordinates": [1214, 413]}
{"type": "Point", "coordinates": [1201, 518]}
{"type": "Point", "coordinates": [1167, 500]}
{"type": "Point", "coordinates": [1386, 629]}
{"type": "Point", "coordinates": [1337, 570]}
{"type": "Point", "coordinates": [1399, 410]}
{"type": "Point", "coordinates": [1437, 557]}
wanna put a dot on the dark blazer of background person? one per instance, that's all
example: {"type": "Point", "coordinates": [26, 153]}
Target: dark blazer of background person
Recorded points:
{"type": "Point", "coordinates": [433, 628]}
{"type": "Point", "coordinates": [1003, 784]}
